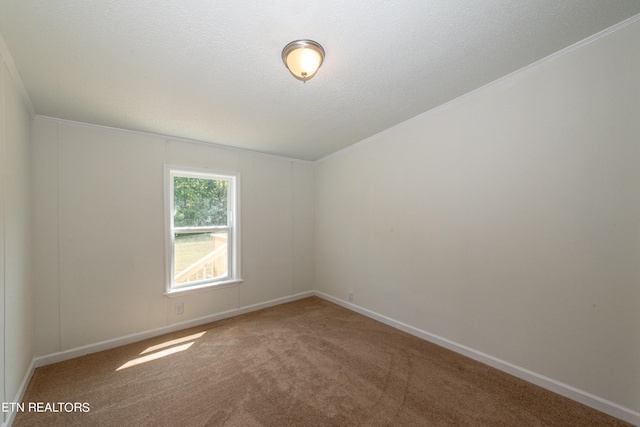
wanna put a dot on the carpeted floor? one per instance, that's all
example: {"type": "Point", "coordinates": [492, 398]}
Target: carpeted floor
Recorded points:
{"type": "Point", "coordinates": [305, 363]}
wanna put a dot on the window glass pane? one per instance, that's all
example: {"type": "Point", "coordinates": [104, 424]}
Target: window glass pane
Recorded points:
{"type": "Point", "coordinates": [199, 202]}
{"type": "Point", "coordinates": [200, 256]}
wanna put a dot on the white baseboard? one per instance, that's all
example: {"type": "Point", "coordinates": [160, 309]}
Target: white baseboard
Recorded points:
{"type": "Point", "coordinates": [117, 342]}
{"type": "Point", "coordinates": [562, 389]}
{"type": "Point", "coordinates": [11, 415]}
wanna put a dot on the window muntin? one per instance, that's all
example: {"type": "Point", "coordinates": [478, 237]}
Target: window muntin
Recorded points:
{"type": "Point", "coordinates": [202, 228]}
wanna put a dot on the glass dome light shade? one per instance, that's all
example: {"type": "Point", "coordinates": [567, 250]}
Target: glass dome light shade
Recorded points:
{"type": "Point", "coordinates": [303, 58]}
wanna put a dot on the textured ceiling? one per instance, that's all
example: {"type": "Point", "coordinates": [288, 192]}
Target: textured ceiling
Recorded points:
{"type": "Point", "coordinates": [211, 70]}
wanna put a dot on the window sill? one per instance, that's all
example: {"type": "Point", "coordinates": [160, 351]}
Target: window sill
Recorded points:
{"type": "Point", "coordinates": [178, 292]}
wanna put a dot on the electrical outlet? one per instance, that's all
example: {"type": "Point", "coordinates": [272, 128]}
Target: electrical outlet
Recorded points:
{"type": "Point", "coordinates": [179, 308]}
{"type": "Point", "coordinates": [350, 296]}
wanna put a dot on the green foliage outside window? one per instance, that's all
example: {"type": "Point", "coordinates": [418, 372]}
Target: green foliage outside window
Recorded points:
{"type": "Point", "coordinates": [199, 202]}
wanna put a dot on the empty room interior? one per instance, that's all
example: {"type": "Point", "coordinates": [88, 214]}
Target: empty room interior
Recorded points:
{"type": "Point", "coordinates": [466, 174]}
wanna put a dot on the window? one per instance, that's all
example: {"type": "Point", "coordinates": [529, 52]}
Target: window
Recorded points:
{"type": "Point", "coordinates": [202, 228]}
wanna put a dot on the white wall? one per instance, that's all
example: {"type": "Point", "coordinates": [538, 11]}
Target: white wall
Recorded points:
{"type": "Point", "coordinates": [507, 221]}
{"type": "Point", "coordinates": [99, 225]}
{"type": "Point", "coordinates": [16, 339]}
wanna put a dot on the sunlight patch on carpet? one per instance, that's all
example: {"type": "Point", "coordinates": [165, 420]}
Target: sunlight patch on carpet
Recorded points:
{"type": "Point", "coordinates": [163, 353]}
{"type": "Point", "coordinates": [173, 342]}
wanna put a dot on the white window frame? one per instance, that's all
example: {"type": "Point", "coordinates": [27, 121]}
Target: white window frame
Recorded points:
{"type": "Point", "coordinates": [233, 228]}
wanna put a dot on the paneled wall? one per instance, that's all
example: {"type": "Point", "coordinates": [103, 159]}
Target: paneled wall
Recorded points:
{"type": "Point", "coordinates": [99, 232]}
{"type": "Point", "coordinates": [507, 221]}
{"type": "Point", "coordinates": [16, 321]}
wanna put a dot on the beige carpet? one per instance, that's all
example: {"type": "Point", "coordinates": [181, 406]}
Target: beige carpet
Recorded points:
{"type": "Point", "coordinates": [305, 363]}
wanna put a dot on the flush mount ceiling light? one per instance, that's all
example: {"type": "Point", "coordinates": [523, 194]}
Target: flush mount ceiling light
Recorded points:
{"type": "Point", "coordinates": [303, 58]}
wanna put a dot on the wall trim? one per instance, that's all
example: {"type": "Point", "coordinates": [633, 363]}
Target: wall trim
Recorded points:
{"type": "Point", "coordinates": [10, 416]}
{"type": "Point", "coordinates": [562, 52]}
{"type": "Point", "coordinates": [170, 138]}
{"type": "Point", "coordinates": [550, 384]}
{"type": "Point", "coordinates": [128, 339]}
